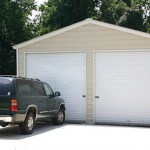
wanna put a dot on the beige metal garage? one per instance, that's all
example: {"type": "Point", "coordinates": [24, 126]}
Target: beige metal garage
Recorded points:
{"type": "Point", "coordinates": [102, 71]}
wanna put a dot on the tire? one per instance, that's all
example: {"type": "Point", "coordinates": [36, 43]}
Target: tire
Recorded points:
{"type": "Point", "coordinates": [59, 120]}
{"type": "Point", "coordinates": [4, 124]}
{"type": "Point", "coordinates": [27, 126]}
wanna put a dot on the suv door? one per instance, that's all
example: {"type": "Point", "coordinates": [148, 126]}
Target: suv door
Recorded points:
{"type": "Point", "coordinates": [42, 99]}
{"type": "Point", "coordinates": [25, 94]}
{"type": "Point", "coordinates": [51, 99]}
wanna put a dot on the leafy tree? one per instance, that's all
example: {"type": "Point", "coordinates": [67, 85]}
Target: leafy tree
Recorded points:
{"type": "Point", "coordinates": [58, 14]}
{"type": "Point", "coordinates": [112, 11]}
{"type": "Point", "coordinates": [14, 28]}
{"type": "Point", "coordinates": [146, 6]}
{"type": "Point", "coordinates": [133, 14]}
{"type": "Point", "coordinates": [129, 13]}
{"type": "Point", "coordinates": [148, 24]}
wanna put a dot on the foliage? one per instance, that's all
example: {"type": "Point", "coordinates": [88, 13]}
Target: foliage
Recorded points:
{"type": "Point", "coordinates": [133, 14]}
{"type": "Point", "coordinates": [14, 28]}
{"type": "Point", "coordinates": [129, 13]}
{"type": "Point", "coordinates": [60, 13]}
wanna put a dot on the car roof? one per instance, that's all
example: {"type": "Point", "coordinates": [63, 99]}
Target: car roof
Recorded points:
{"type": "Point", "coordinates": [17, 77]}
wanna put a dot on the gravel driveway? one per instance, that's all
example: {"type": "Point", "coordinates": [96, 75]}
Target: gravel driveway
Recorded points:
{"type": "Point", "coordinates": [76, 137]}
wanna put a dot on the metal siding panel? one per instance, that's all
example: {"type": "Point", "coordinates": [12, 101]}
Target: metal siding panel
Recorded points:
{"type": "Point", "coordinates": [65, 72]}
{"type": "Point", "coordinates": [123, 83]}
{"type": "Point", "coordinates": [93, 37]}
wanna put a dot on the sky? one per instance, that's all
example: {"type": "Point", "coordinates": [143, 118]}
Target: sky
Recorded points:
{"type": "Point", "coordinates": [38, 2]}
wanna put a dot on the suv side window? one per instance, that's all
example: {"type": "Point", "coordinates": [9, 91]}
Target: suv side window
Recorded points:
{"type": "Point", "coordinates": [48, 90]}
{"type": "Point", "coordinates": [39, 89]}
{"type": "Point", "coordinates": [24, 87]}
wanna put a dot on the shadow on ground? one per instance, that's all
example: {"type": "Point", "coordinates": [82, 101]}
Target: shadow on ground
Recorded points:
{"type": "Point", "coordinates": [13, 132]}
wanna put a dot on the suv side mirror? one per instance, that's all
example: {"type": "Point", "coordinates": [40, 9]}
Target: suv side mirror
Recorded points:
{"type": "Point", "coordinates": [57, 94]}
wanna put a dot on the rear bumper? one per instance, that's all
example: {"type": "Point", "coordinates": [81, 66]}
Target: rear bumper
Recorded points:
{"type": "Point", "coordinates": [7, 119]}
{"type": "Point", "coordinates": [12, 119]}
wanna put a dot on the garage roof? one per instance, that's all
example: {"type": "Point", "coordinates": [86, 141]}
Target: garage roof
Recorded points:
{"type": "Point", "coordinates": [79, 24]}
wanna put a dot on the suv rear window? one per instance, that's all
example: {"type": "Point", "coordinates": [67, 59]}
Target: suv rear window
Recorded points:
{"type": "Point", "coordinates": [24, 87]}
{"type": "Point", "coordinates": [6, 86]}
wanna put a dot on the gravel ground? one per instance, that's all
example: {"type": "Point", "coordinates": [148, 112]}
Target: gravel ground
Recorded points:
{"type": "Point", "coordinates": [76, 137]}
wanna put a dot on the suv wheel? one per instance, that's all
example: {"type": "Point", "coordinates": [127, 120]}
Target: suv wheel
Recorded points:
{"type": "Point", "coordinates": [28, 125]}
{"type": "Point", "coordinates": [4, 124]}
{"type": "Point", "coordinates": [59, 120]}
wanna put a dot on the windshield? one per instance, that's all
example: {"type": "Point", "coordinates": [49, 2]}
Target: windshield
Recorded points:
{"type": "Point", "coordinates": [5, 86]}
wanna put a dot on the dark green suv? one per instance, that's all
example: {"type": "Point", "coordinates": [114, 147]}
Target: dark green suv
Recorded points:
{"type": "Point", "coordinates": [25, 100]}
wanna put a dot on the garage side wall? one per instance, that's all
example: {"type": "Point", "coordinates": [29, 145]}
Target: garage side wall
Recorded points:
{"type": "Point", "coordinates": [86, 38]}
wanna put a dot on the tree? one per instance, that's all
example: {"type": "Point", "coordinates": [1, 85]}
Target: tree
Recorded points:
{"type": "Point", "coordinates": [58, 14]}
{"type": "Point", "coordinates": [146, 6]}
{"type": "Point", "coordinates": [132, 14]}
{"type": "Point", "coordinates": [148, 24]}
{"type": "Point", "coordinates": [14, 28]}
{"type": "Point", "coordinates": [111, 11]}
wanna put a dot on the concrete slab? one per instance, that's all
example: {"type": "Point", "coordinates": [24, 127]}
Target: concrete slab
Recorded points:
{"type": "Point", "coordinates": [76, 137]}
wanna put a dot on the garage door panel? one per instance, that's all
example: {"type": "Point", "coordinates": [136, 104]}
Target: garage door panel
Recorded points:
{"type": "Point", "coordinates": [65, 72]}
{"type": "Point", "coordinates": [122, 82]}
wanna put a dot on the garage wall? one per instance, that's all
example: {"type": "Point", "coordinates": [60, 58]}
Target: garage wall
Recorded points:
{"type": "Point", "coordinates": [87, 38]}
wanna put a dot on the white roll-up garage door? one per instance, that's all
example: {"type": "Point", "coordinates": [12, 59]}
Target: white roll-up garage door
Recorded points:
{"type": "Point", "coordinates": [122, 87]}
{"type": "Point", "coordinates": [65, 72]}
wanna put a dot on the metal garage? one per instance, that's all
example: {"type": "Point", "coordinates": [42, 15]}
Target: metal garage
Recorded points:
{"type": "Point", "coordinates": [102, 71]}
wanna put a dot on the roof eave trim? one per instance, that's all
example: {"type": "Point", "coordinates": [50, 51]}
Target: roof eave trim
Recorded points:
{"type": "Point", "coordinates": [124, 29]}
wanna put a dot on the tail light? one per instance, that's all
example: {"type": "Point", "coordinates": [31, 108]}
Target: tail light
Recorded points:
{"type": "Point", "coordinates": [13, 105]}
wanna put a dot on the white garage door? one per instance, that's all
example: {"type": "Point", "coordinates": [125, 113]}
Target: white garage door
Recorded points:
{"type": "Point", "coordinates": [65, 72]}
{"type": "Point", "coordinates": [122, 87]}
